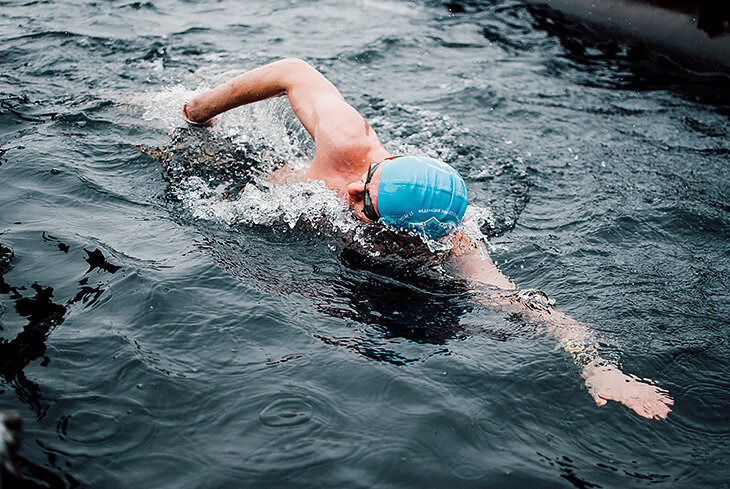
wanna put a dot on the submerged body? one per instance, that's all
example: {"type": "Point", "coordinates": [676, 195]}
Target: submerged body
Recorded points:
{"type": "Point", "coordinates": [348, 160]}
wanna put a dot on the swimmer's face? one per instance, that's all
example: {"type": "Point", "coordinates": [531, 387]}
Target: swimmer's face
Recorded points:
{"type": "Point", "coordinates": [356, 193]}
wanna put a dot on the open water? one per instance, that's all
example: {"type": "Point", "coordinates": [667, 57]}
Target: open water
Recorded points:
{"type": "Point", "coordinates": [168, 321]}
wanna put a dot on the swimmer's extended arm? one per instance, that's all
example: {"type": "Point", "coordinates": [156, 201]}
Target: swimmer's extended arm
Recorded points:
{"type": "Point", "coordinates": [605, 381]}
{"type": "Point", "coordinates": [472, 261]}
{"type": "Point", "coordinates": [313, 98]}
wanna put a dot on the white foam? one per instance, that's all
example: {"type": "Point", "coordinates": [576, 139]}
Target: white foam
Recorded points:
{"type": "Point", "coordinates": [271, 124]}
{"type": "Point", "coordinates": [166, 105]}
{"type": "Point", "coordinates": [399, 8]}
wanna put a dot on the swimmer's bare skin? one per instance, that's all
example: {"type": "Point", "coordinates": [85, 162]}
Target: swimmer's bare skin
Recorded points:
{"type": "Point", "coordinates": [345, 143]}
{"type": "Point", "coordinates": [346, 146]}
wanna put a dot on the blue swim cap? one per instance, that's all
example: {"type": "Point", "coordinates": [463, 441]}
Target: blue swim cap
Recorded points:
{"type": "Point", "coordinates": [421, 196]}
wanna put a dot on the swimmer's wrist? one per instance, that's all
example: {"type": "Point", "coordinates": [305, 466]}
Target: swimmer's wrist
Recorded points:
{"type": "Point", "coordinates": [598, 367]}
{"type": "Point", "coordinates": [583, 354]}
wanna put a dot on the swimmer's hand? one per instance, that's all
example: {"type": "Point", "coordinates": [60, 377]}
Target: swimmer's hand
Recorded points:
{"type": "Point", "coordinates": [193, 123]}
{"type": "Point", "coordinates": [608, 383]}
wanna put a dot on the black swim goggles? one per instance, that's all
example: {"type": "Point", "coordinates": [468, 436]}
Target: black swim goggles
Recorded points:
{"type": "Point", "coordinates": [368, 209]}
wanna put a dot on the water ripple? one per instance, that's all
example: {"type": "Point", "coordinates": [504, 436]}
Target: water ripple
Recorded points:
{"type": "Point", "coordinates": [292, 411]}
{"type": "Point", "coordinates": [89, 427]}
{"type": "Point", "coordinates": [702, 409]}
{"type": "Point", "coordinates": [276, 354]}
{"type": "Point", "coordinates": [289, 454]}
{"type": "Point", "coordinates": [96, 433]}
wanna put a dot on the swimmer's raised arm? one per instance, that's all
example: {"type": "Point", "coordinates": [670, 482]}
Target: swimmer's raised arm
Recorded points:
{"type": "Point", "coordinates": [604, 380]}
{"type": "Point", "coordinates": [311, 95]}
{"type": "Point", "coordinates": [345, 144]}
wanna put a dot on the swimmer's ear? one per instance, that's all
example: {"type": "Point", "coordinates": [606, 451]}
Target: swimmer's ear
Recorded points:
{"type": "Point", "coordinates": [356, 191]}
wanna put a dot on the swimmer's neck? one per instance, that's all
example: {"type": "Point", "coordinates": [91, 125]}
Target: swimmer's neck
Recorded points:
{"type": "Point", "coordinates": [337, 169]}
{"type": "Point", "coordinates": [336, 174]}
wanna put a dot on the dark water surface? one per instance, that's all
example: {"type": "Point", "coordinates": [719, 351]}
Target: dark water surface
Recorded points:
{"type": "Point", "coordinates": [158, 333]}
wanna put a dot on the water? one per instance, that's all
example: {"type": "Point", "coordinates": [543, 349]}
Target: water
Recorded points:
{"type": "Point", "coordinates": [168, 320]}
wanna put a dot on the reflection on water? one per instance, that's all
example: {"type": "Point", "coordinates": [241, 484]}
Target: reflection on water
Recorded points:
{"type": "Point", "coordinates": [596, 59]}
{"type": "Point", "coordinates": [43, 315]}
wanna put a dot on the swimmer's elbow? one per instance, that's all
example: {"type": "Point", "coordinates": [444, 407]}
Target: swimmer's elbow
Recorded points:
{"type": "Point", "coordinates": [295, 63]}
{"type": "Point", "coordinates": [295, 73]}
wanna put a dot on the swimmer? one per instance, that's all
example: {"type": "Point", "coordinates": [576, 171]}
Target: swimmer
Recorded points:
{"type": "Point", "coordinates": [419, 196]}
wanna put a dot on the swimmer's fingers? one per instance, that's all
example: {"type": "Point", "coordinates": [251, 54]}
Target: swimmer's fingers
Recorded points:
{"type": "Point", "coordinates": [208, 123]}
{"type": "Point", "coordinates": [649, 402]}
{"type": "Point", "coordinates": [596, 396]}
{"type": "Point", "coordinates": [663, 406]}
{"type": "Point", "coordinates": [665, 394]}
{"type": "Point", "coordinates": [608, 383]}
{"type": "Point", "coordinates": [656, 402]}
{"type": "Point", "coordinates": [661, 412]}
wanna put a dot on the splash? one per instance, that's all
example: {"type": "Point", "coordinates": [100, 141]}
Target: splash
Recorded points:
{"type": "Point", "coordinates": [269, 123]}
{"type": "Point", "coordinates": [165, 106]}
{"type": "Point", "coordinates": [308, 202]}
{"type": "Point", "coordinates": [474, 220]}
{"type": "Point", "coordinates": [268, 134]}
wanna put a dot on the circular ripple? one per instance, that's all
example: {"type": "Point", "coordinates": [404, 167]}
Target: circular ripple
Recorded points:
{"type": "Point", "coordinates": [290, 411]}
{"type": "Point", "coordinates": [468, 471]}
{"type": "Point", "coordinates": [397, 458]}
{"type": "Point", "coordinates": [101, 434]}
{"type": "Point", "coordinates": [493, 426]}
{"type": "Point", "coordinates": [88, 427]}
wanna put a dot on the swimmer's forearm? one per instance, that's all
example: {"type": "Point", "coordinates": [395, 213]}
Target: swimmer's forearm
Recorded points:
{"type": "Point", "coordinates": [258, 84]}
{"type": "Point", "coordinates": [471, 261]}
{"type": "Point", "coordinates": [605, 380]}
{"type": "Point", "coordinates": [574, 337]}
{"type": "Point", "coordinates": [261, 83]}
